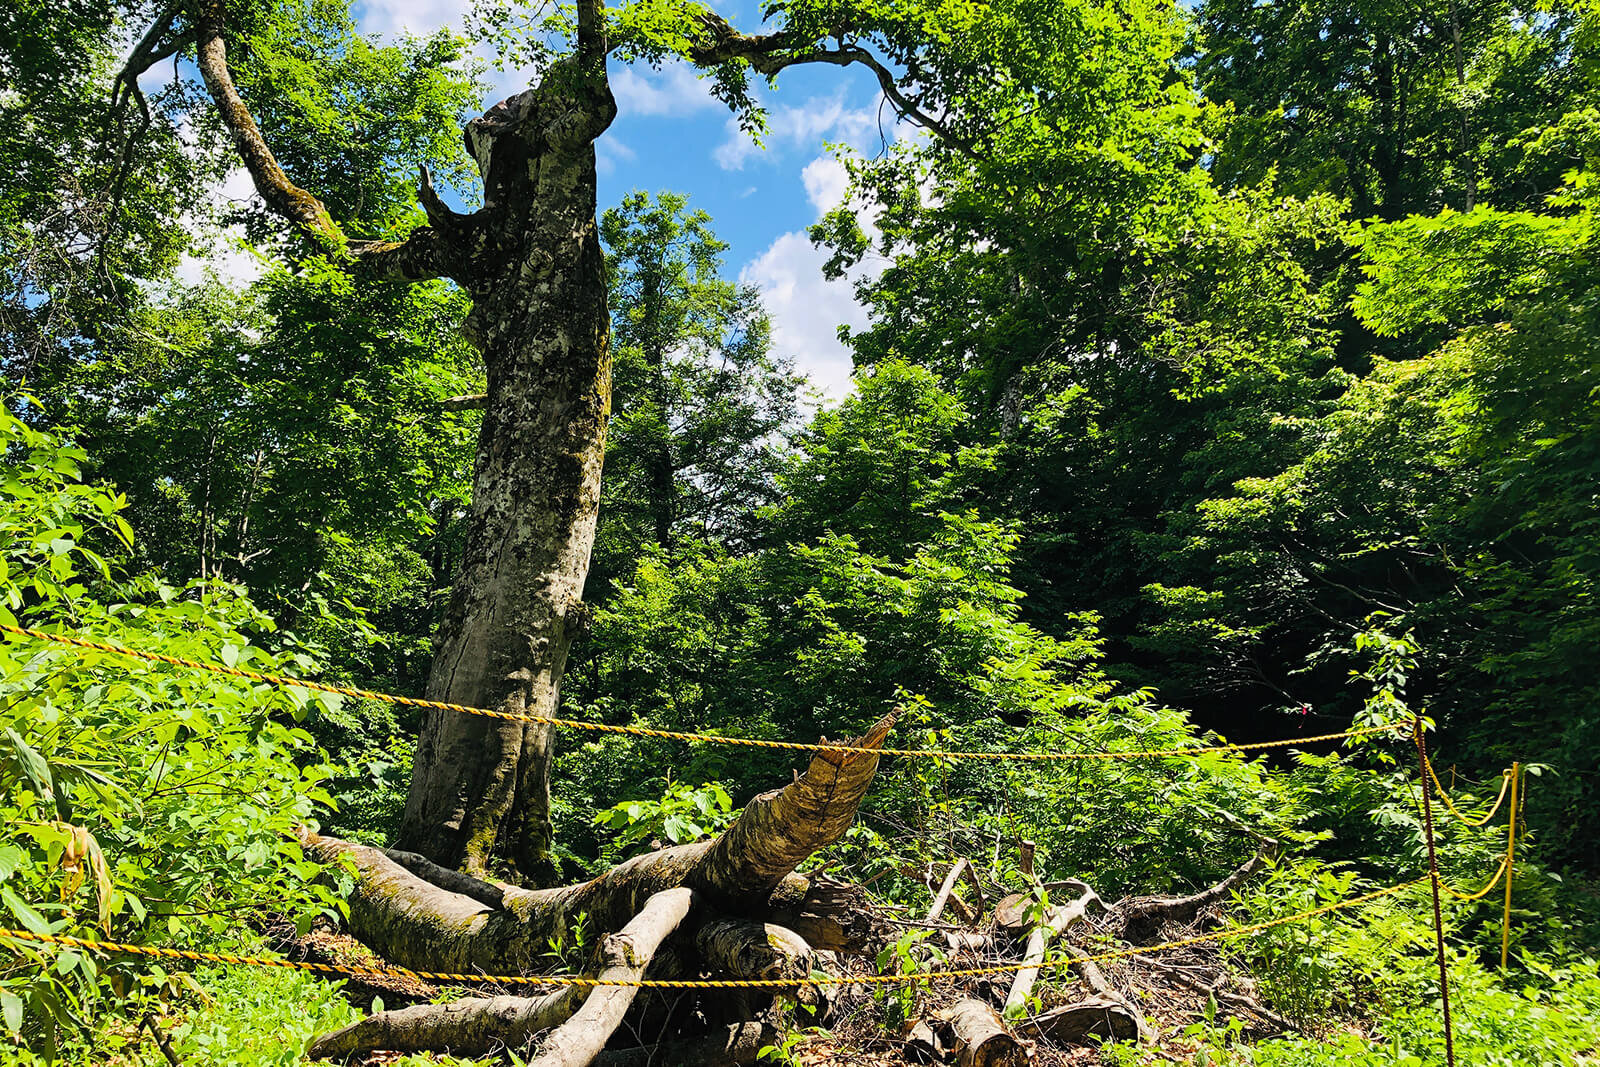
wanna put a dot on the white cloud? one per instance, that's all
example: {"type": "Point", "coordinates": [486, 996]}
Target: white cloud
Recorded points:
{"type": "Point", "coordinates": [673, 91]}
{"type": "Point", "coordinates": [610, 154]}
{"type": "Point", "coordinates": [818, 119]}
{"type": "Point", "coordinates": [826, 182]}
{"type": "Point", "coordinates": [224, 253]}
{"type": "Point", "coordinates": [415, 16]}
{"type": "Point", "coordinates": [806, 308]}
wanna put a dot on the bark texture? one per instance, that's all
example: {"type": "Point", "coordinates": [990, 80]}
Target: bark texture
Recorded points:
{"type": "Point", "coordinates": [981, 1036]}
{"type": "Point", "coordinates": [480, 791]}
{"type": "Point", "coordinates": [414, 922]}
{"type": "Point", "coordinates": [626, 955]}
{"type": "Point", "coordinates": [1055, 921]}
{"type": "Point", "coordinates": [487, 1024]}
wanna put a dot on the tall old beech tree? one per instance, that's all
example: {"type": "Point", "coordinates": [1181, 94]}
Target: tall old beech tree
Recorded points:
{"type": "Point", "coordinates": [530, 259]}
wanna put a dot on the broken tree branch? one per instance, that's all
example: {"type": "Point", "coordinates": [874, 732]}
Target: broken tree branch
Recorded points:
{"type": "Point", "coordinates": [982, 1038]}
{"type": "Point", "coordinates": [772, 53]}
{"type": "Point", "coordinates": [415, 923]}
{"type": "Point", "coordinates": [1054, 922]}
{"type": "Point", "coordinates": [474, 1026]}
{"type": "Point", "coordinates": [426, 253]}
{"type": "Point", "coordinates": [626, 954]}
{"type": "Point", "coordinates": [1143, 915]}
{"type": "Point", "coordinates": [481, 1025]}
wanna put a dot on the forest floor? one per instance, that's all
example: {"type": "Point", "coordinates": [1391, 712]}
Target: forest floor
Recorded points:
{"type": "Point", "coordinates": [1172, 992]}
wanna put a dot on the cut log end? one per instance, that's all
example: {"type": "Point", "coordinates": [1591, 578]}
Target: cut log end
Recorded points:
{"type": "Point", "coordinates": [982, 1038]}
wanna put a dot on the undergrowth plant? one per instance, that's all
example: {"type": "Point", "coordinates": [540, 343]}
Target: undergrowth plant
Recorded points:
{"type": "Point", "coordinates": [140, 802]}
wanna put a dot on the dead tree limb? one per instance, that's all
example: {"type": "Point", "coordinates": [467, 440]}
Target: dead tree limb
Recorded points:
{"type": "Point", "coordinates": [1096, 980]}
{"type": "Point", "coordinates": [454, 881]}
{"type": "Point", "coordinates": [747, 949]}
{"type": "Point", "coordinates": [475, 1026]}
{"type": "Point", "coordinates": [946, 888]}
{"type": "Point", "coordinates": [1055, 921]}
{"type": "Point", "coordinates": [411, 921]}
{"type": "Point", "coordinates": [1224, 997]}
{"type": "Point", "coordinates": [481, 1025]}
{"type": "Point", "coordinates": [1142, 916]}
{"type": "Point", "coordinates": [626, 954]}
{"type": "Point", "coordinates": [982, 1038]}
{"type": "Point", "coordinates": [1102, 1015]}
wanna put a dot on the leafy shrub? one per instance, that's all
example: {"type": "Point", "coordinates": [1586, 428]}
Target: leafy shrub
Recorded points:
{"type": "Point", "coordinates": [140, 802]}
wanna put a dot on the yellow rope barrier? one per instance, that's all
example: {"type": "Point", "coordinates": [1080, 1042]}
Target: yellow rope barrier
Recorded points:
{"type": "Point", "coordinates": [1505, 861]}
{"type": "Point", "coordinates": [1505, 785]}
{"type": "Point", "coordinates": [678, 735]}
{"type": "Point", "coordinates": [121, 948]}
{"type": "Point", "coordinates": [1511, 865]}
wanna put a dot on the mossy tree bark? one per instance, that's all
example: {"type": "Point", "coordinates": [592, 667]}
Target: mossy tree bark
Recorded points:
{"type": "Point", "coordinates": [480, 791]}
{"type": "Point", "coordinates": [461, 925]}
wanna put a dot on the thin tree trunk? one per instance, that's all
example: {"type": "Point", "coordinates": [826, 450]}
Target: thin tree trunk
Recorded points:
{"type": "Point", "coordinates": [1470, 178]}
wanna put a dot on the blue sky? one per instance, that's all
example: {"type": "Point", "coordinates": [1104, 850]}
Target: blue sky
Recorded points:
{"type": "Point", "coordinates": [671, 134]}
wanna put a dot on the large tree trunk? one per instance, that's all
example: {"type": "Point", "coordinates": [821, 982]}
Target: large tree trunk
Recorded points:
{"type": "Point", "coordinates": [480, 791]}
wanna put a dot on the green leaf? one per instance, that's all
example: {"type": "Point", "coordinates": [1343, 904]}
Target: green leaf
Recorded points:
{"type": "Point", "coordinates": [31, 920]}
{"type": "Point", "coordinates": [11, 1009]}
{"type": "Point", "coordinates": [11, 858]}
{"type": "Point", "coordinates": [33, 766]}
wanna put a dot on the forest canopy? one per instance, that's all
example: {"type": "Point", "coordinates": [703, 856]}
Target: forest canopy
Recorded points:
{"type": "Point", "coordinates": [1230, 370]}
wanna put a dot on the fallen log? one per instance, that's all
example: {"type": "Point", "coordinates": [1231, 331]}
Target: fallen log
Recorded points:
{"type": "Point", "coordinates": [1097, 1016]}
{"type": "Point", "coordinates": [1055, 921]}
{"type": "Point", "coordinates": [833, 915]}
{"type": "Point", "coordinates": [982, 1038]}
{"type": "Point", "coordinates": [481, 1025]}
{"type": "Point", "coordinates": [747, 949]}
{"type": "Point", "coordinates": [411, 921]}
{"type": "Point", "coordinates": [1095, 979]}
{"type": "Point", "coordinates": [419, 915]}
{"type": "Point", "coordinates": [576, 1042]}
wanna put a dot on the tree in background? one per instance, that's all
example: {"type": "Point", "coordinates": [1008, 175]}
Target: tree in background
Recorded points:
{"type": "Point", "coordinates": [1396, 108]}
{"type": "Point", "coordinates": [702, 408]}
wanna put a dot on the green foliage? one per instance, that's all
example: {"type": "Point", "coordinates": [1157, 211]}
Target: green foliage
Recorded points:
{"type": "Point", "coordinates": [1398, 110]}
{"type": "Point", "coordinates": [684, 813]}
{"type": "Point", "coordinates": [702, 409]}
{"type": "Point", "coordinates": [908, 956]}
{"type": "Point", "coordinates": [140, 803]}
{"type": "Point", "coordinates": [348, 117]}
